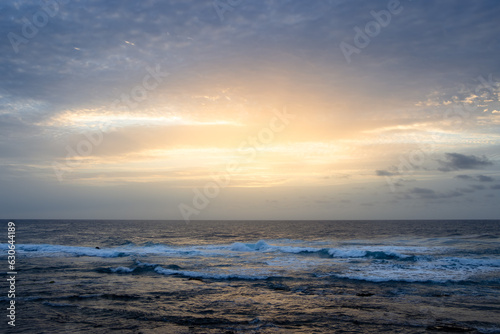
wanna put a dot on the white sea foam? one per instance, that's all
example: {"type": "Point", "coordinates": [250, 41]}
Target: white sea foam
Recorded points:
{"type": "Point", "coordinates": [206, 250]}
{"type": "Point", "coordinates": [268, 258]}
{"type": "Point", "coordinates": [240, 247]}
{"type": "Point", "coordinates": [235, 273]}
{"type": "Point", "coordinates": [436, 270]}
{"type": "Point", "coordinates": [33, 250]}
{"type": "Point", "coordinates": [345, 253]}
{"type": "Point", "coordinates": [263, 246]}
{"type": "Point", "coordinates": [209, 275]}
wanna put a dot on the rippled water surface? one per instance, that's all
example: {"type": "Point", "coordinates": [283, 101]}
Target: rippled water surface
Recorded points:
{"type": "Point", "coordinates": [256, 277]}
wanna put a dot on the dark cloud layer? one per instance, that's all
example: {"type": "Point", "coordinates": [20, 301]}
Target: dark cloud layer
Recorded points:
{"type": "Point", "coordinates": [384, 173]}
{"type": "Point", "coordinates": [480, 178]}
{"type": "Point", "coordinates": [430, 194]}
{"type": "Point", "coordinates": [457, 161]}
{"type": "Point", "coordinates": [464, 177]}
{"type": "Point", "coordinates": [484, 178]}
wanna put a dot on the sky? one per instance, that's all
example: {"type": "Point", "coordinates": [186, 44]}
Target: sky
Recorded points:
{"type": "Point", "coordinates": [238, 109]}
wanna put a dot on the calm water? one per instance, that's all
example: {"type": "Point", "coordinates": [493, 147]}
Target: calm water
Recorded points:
{"type": "Point", "coordinates": [255, 277]}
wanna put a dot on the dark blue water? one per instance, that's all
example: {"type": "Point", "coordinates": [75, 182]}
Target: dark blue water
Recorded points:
{"type": "Point", "coordinates": [255, 277]}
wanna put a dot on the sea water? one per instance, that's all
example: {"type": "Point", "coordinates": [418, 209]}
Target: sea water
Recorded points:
{"type": "Point", "coordinates": [254, 276]}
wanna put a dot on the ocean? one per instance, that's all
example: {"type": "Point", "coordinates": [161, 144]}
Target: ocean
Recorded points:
{"type": "Point", "coordinates": [94, 276]}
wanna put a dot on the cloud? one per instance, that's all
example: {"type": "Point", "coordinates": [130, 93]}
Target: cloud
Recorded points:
{"type": "Point", "coordinates": [466, 190]}
{"type": "Point", "coordinates": [423, 192]}
{"type": "Point", "coordinates": [426, 193]}
{"type": "Point", "coordinates": [480, 178]}
{"type": "Point", "coordinates": [457, 161]}
{"type": "Point", "coordinates": [484, 178]}
{"type": "Point", "coordinates": [464, 177]}
{"type": "Point", "coordinates": [496, 186]}
{"type": "Point", "coordinates": [384, 173]}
